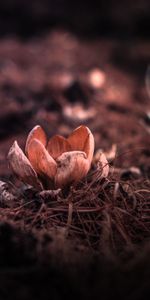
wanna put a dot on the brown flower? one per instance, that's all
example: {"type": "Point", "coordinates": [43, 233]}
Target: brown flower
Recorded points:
{"type": "Point", "coordinates": [55, 164]}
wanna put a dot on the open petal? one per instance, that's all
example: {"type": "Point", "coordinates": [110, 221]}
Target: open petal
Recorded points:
{"type": "Point", "coordinates": [82, 139]}
{"type": "Point", "coordinates": [71, 167]}
{"type": "Point", "coordinates": [57, 145]}
{"type": "Point", "coordinates": [40, 159]}
{"type": "Point", "coordinates": [36, 133]}
{"type": "Point", "coordinates": [22, 167]}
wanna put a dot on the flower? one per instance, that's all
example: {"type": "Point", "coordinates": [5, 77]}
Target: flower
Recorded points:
{"type": "Point", "coordinates": [54, 164]}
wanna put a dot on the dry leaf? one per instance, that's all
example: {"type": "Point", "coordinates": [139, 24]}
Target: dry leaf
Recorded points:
{"type": "Point", "coordinates": [103, 165]}
{"type": "Point", "coordinates": [6, 195]}
{"type": "Point", "coordinates": [21, 166]}
{"type": "Point", "coordinates": [71, 167]}
{"type": "Point", "coordinates": [40, 159]}
{"type": "Point", "coordinates": [110, 154]}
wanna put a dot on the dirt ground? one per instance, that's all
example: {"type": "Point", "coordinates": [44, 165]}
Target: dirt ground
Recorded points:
{"type": "Point", "coordinates": [48, 80]}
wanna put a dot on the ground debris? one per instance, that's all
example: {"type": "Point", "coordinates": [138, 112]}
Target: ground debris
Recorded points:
{"type": "Point", "coordinates": [7, 198]}
{"type": "Point", "coordinates": [106, 215]}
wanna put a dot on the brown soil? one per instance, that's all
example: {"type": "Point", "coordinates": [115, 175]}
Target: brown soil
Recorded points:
{"type": "Point", "coordinates": [99, 228]}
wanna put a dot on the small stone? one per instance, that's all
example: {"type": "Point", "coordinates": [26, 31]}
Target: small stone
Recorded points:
{"type": "Point", "coordinates": [96, 78]}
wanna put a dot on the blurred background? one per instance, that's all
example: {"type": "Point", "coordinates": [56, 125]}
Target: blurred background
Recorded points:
{"type": "Point", "coordinates": [112, 17]}
{"type": "Point", "coordinates": [65, 63]}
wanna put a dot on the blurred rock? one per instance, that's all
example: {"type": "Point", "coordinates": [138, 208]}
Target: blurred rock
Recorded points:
{"type": "Point", "coordinates": [96, 78]}
{"type": "Point", "coordinates": [78, 113]}
{"type": "Point", "coordinates": [130, 173]}
{"type": "Point", "coordinates": [61, 81]}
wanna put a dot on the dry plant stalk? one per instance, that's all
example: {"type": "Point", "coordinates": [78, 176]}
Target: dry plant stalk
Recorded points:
{"type": "Point", "coordinates": [57, 163]}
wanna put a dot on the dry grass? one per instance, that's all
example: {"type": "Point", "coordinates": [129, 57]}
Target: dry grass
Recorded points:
{"type": "Point", "coordinates": [109, 216]}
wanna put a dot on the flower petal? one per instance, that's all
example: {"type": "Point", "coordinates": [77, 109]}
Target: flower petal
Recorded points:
{"type": "Point", "coordinates": [22, 167]}
{"type": "Point", "coordinates": [82, 139]}
{"type": "Point", "coordinates": [57, 145]}
{"type": "Point", "coordinates": [36, 133]}
{"type": "Point", "coordinates": [40, 159]}
{"type": "Point", "coordinates": [71, 167]}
